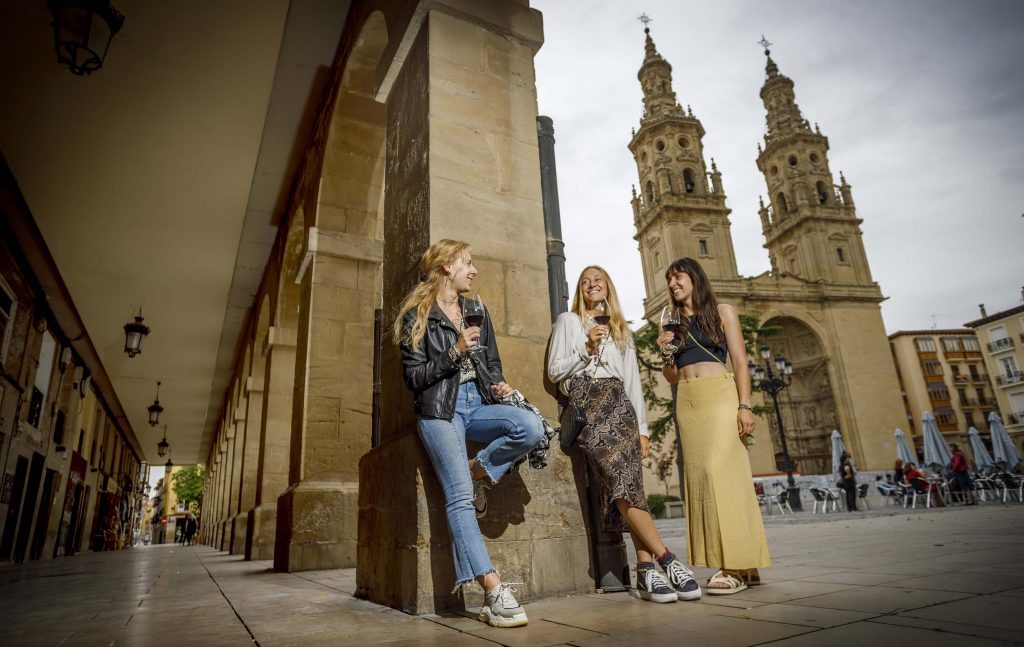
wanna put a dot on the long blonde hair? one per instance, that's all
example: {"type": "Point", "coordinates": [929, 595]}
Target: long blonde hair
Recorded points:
{"type": "Point", "coordinates": [617, 325]}
{"type": "Point", "coordinates": [421, 298]}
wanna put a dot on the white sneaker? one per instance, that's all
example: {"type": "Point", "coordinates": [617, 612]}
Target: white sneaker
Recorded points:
{"type": "Point", "coordinates": [501, 609]}
{"type": "Point", "coordinates": [652, 586]}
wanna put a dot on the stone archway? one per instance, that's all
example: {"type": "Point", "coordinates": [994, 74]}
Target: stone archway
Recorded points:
{"type": "Point", "coordinates": [808, 405]}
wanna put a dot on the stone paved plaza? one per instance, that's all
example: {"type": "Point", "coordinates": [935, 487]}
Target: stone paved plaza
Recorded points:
{"type": "Point", "coordinates": [922, 577]}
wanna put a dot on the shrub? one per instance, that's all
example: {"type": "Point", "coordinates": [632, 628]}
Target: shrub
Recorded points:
{"type": "Point", "coordinates": [656, 502]}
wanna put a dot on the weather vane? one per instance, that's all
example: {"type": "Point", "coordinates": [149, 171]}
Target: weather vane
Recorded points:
{"type": "Point", "coordinates": [764, 43]}
{"type": "Point", "coordinates": [646, 20]}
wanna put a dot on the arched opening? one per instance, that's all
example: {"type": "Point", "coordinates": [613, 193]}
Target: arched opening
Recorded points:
{"type": "Point", "coordinates": [688, 181]}
{"type": "Point", "coordinates": [781, 204]}
{"type": "Point", "coordinates": [649, 192]}
{"type": "Point", "coordinates": [822, 192]}
{"type": "Point", "coordinates": [808, 405]}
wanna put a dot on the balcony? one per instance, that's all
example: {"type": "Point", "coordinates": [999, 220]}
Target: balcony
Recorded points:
{"type": "Point", "coordinates": [968, 402]}
{"type": "Point", "coordinates": [980, 378]}
{"type": "Point", "coordinates": [1006, 343]}
{"type": "Point", "coordinates": [1016, 377]}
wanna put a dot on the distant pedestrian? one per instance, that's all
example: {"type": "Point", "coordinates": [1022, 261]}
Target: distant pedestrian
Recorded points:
{"type": "Point", "coordinates": [190, 528]}
{"type": "Point", "coordinates": [848, 481]}
{"type": "Point", "coordinates": [897, 473]}
{"type": "Point", "coordinates": [963, 479]}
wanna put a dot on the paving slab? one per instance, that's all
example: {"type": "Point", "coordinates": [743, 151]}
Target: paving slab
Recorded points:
{"type": "Point", "coordinates": [952, 576]}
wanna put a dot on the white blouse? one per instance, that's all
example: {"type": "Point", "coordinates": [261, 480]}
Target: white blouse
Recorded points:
{"type": "Point", "coordinates": [568, 357]}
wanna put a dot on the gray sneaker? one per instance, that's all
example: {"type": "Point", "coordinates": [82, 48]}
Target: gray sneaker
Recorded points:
{"type": "Point", "coordinates": [480, 497]}
{"type": "Point", "coordinates": [652, 586]}
{"type": "Point", "coordinates": [501, 609]}
{"type": "Point", "coordinates": [681, 579]}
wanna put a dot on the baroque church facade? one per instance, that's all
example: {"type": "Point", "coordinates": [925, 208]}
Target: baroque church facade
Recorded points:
{"type": "Point", "coordinates": [819, 292]}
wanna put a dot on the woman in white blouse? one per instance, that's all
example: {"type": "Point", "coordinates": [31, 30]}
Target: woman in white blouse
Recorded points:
{"type": "Point", "coordinates": [593, 360]}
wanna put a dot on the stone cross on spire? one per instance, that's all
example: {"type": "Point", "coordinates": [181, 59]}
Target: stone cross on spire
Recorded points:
{"type": "Point", "coordinates": [771, 68]}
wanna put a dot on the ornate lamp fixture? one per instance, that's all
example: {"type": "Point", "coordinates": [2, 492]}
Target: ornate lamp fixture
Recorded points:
{"type": "Point", "coordinates": [155, 409]}
{"type": "Point", "coordinates": [161, 447]}
{"type": "Point", "coordinates": [82, 30]}
{"type": "Point", "coordinates": [168, 464]}
{"type": "Point", "coordinates": [134, 333]}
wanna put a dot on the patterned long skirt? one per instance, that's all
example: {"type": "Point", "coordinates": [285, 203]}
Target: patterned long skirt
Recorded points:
{"type": "Point", "coordinates": [611, 444]}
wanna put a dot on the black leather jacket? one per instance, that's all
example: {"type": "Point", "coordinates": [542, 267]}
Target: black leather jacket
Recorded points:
{"type": "Point", "coordinates": [431, 375]}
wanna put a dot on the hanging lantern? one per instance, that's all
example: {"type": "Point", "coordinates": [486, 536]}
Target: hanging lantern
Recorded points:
{"type": "Point", "coordinates": [155, 409]}
{"type": "Point", "coordinates": [134, 333]}
{"type": "Point", "coordinates": [82, 31]}
{"type": "Point", "coordinates": [161, 447]}
{"type": "Point", "coordinates": [168, 464]}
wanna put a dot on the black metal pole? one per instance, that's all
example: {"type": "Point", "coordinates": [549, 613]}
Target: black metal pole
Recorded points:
{"type": "Point", "coordinates": [558, 288]}
{"type": "Point", "coordinates": [774, 385]}
{"type": "Point", "coordinates": [608, 550]}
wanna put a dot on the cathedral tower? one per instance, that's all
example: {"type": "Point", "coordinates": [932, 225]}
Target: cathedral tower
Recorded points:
{"type": "Point", "coordinates": [810, 225]}
{"type": "Point", "coordinates": [680, 209]}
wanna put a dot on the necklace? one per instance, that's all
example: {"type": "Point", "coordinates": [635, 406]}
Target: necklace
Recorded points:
{"type": "Point", "coordinates": [455, 300]}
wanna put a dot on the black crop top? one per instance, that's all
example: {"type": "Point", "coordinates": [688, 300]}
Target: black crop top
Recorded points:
{"type": "Point", "coordinates": [690, 353]}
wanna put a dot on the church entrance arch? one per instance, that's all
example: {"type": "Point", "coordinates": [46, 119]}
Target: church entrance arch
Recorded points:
{"type": "Point", "coordinates": [808, 405]}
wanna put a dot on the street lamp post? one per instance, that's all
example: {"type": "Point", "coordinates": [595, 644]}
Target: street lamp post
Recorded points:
{"type": "Point", "coordinates": [773, 384]}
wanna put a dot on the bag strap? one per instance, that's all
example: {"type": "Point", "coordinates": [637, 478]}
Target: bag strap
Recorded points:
{"type": "Point", "coordinates": [690, 335]}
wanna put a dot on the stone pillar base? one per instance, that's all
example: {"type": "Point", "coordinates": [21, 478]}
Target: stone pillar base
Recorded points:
{"type": "Point", "coordinates": [239, 533]}
{"type": "Point", "coordinates": [316, 527]}
{"type": "Point", "coordinates": [226, 529]}
{"type": "Point", "coordinates": [533, 529]}
{"type": "Point", "coordinates": [262, 528]}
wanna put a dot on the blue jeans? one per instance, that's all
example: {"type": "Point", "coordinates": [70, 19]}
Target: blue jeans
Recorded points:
{"type": "Point", "coordinates": [509, 432]}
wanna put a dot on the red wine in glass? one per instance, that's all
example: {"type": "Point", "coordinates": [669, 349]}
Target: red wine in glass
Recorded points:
{"type": "Point", "coordinates": [601, 316]}
{"type": "Point", "coordinates": [671, 322]}
{"type": "Point", "coordinates": [475, 319]}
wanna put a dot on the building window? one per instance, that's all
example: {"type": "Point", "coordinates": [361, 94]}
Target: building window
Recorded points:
{"type": "Point", "coordinates": [969, 417]}
{"type": "Point", "coordinates": [973, 370]}
{"type": "Point", "coordinates": [1008, 366]}
{"type": "Point", "coordinates": [981, 396]}
{"type": "Point", "coordinates": [840, 255]}
{"type": "Point", "coordinates": [955, 370]}
{"type": "Point", "coordinates": [945, 416]}
{"type": "Point", "coordinates": [932, 367]}
{"type": "Point", "coordinates": [782, 205]}
{"type": "Point", "coordinates": [703, 244]}
{"type": "Point", "coordinates": [822, 191]}
{"type": "Point", "coordinates": [951, 344]}
{"type": "Point", "coordinates": [925, 344]}
{"type": "Point", "coordinates": [649, 192]}
{"type": "Point", "coordinates": [47, 355]}
{"type": "Point", "coordinates": [971, 343]}
{"type": "Point", "coordinates": [938, 392]}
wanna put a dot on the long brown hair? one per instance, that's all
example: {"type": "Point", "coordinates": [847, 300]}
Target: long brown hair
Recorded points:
{"type": "Point", "coordinates": [617, 325]}
{"type": "Point", "coordinates": [705, 305]}
{"type": "Point", "coordinates": [421, 298]}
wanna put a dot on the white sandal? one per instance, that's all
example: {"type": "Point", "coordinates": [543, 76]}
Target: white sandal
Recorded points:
{"type": "Point", "coordinates": [733, 584]}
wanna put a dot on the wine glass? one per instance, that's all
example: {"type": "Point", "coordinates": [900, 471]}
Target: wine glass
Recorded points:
{"type": "Point", "coordinates": [602, 314]}
{"type": "Point", "coordinates": [473, 314]}
{"type": "Point", "coordinates": [670, 322]}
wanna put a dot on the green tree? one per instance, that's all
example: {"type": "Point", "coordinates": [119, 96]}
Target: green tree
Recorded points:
{"type": "Point", "coordinates": [188, 485]}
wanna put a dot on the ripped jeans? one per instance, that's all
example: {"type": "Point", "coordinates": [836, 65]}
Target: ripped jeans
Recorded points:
{"type": "Point", "coordinates": [509, 433]}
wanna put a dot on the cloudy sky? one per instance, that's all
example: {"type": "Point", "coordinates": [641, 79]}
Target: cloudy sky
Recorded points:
{"type": "Point", "coordinates": [922, 102]}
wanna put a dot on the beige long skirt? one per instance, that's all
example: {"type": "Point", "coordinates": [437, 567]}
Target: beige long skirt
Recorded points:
{"type": "Point", "coordinates": [723, 520]}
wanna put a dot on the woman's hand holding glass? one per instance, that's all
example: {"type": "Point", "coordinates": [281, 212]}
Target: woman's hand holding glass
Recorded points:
{"type": "Point", "coordinates": [595, 336]}
{"type": "Point", "coordinates": [467, 340]}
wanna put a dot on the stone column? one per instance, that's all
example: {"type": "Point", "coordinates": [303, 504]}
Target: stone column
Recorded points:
{"type": "Point", "coordinates": [275, 440]}
{"type": "Point", "coordinates": [463, 162]}
{"type": "Point", "coordinates": [317, 515]}
{"type": "Point", "coordinates": [229, 477]}
{"type": "Point", "coordinates": [251, 413]}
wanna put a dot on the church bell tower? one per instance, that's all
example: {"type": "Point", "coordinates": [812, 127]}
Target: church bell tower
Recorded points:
{"type": "Point", "coordinates": [810, 224]}
{"type": "Point", "coordinates": [680, 207]}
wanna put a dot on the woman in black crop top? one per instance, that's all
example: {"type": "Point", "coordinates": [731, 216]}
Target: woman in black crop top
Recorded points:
{"type": "Point", "coordinates": [724, 527]}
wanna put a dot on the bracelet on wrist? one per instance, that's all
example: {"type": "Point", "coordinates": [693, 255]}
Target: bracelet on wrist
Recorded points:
{"type": "Point", "coordinates": [454, 355]}
{"type": "Point", "coordinates": [745, 407]}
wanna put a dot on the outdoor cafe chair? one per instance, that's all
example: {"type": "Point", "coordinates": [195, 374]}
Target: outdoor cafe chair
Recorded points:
{"type": "Point", "coordinates": [908, 494]}
{"type": "Point", "coordinates": [781, 499]}
{"type": "Point", "coordinates": [762, 499]}
{"type": "Point", "coordinates": [984, 488]}
{"type": "Point", "coordinates": [889, 493]}
{"type": "Point", "coordinates": [823, 497]}
{"type": "Point", "coordinates": [862, 494]}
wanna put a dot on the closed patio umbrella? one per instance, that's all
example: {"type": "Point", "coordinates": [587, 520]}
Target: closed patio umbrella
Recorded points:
{"type": "Point", "coordinates": [982, 459]}
{"type": "Point", "coordinates": [903, 451]}
{"type": "Point", "coordinates": [1003, 451]}
{"type": "Point", "coordinates": [936, 452]}
{"type": "Point", "coordinates": [837, 449]}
